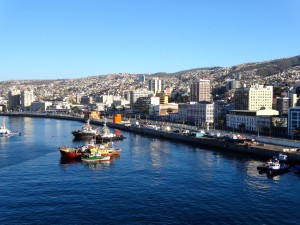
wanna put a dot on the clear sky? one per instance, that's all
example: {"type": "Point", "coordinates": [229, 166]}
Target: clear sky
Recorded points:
{"type": "Point", "coordinates": [49, 39]}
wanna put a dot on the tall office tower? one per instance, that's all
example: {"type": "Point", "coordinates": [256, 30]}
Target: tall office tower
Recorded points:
{"type": "Point", "coordinates": [282, 105]}
{"type": "Point", "coordinates": [156, 85]}
{"type": "Point", "coordinates": [201, 91]}
{"type": "Point", "coordinates": [233, 84]}
{"type": "Point", "coordinates": [293, 100]}
{"type": "Point", "coordinates": [14, 99]}
{"type": "Point", "coordinates": [142, 78]}
{"type": "Point", "coordinates": [27, 97]}
{"type": "Point", "coordinates": [254, 98]}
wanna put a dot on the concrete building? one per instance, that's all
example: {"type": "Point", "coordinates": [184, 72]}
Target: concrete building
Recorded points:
{"type": "Point", "coordinates": [155, 85]}
{"type": "Point", "coordinates": [163, 98]}
{"type": "Point", "coordinates": [133, 95]}
{"type": "Point", "coordinates": [253, 120]}
{"type": "Point", "coordinates": [27, 97]}
{"type": "Point", "coordinates": [86, 100]}
{"type": "Point", "coordinates": [254, 98]}
{"type": "Point", "coordinates": [293, 120]}
{"type": "Point", "coordinates": [143, 104]}
{"type": "Point", "coordinates": [39, 106]}
{"type": "Point", "coordinates": [165, 109]}
{"type": "Point", "coordinates": [14, 99]}
{"type": "Point", "coordinates": [201, 114]}
{"type": "Point", "coordinates": [282, 105]}
{"type": "Point", "coordinates": [142, 78]}
{"type": "Point", "coordinates": [200, 91]}
{"type": "Point", "coordinates": [232, 84]}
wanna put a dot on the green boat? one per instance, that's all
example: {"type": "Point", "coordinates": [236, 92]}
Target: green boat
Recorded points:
{"type": "Point", "coordinates": [96, 158]}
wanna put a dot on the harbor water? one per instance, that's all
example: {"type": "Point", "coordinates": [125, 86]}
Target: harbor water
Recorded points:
{"type": "Point", "coordinates": [154, 181]}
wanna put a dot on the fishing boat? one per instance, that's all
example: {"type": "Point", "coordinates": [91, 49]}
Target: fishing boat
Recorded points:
{"type": "Point", "coordinates": [96, 158]}
{"type": "Point", "coordinates": [105, 135]}
{"type": "Point", "coordinates": [86, 132]}
{"type": "Point", "coordinates": [4, 132]}
{"type": "Point", "coordinates": [110, 150]}
{"type": "Point", "coordinates": [73, 152]}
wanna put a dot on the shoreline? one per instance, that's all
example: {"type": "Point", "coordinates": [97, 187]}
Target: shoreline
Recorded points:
{"type": "Point", "coordinates": [265, 150]}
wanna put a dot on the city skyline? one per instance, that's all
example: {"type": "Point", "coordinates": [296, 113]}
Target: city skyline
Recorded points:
{"type": "Point", "coordinates": [72, 39]}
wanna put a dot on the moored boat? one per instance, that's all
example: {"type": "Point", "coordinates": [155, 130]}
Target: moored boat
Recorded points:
{"type": "Point", "coordinates": [277, 168]}
{"type": "Point", "coordinates": [105, 135]}
{"type": "Point", "coordinates": [4, 132]}
{"type": "Point", "coordinates": [73, 152]}
{"type": "Point", "coordinates": [265, 167]}
{"type": "Point", "coordinates": [86, 132]}
{"type": "Point", "coordinates": [96, 158]}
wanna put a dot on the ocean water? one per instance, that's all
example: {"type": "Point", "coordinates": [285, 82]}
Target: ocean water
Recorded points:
{"type": "Point", "coordinates": [154, 181]}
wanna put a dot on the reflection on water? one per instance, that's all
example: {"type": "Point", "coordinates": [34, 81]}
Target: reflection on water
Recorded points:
{"type": "Point", "coordinates": [97, 165]}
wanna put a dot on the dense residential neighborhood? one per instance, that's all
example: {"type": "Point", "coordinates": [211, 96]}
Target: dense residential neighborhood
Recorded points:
{"type": "Point", "coordinates": [254, 97]}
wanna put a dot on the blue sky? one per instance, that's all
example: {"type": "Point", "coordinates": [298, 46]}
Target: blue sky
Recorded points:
{"type": "Point", "coordinates": [50, 39]}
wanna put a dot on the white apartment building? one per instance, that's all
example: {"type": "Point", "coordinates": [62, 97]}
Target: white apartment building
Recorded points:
{"type": "Point", "coordinates": [202, 113]}
{"type": "Point", "coordinates": [155, 85]}
{"type": "Point", "coordinates": [27, 97]}
{"type": "Point", "coordinates": [254, 98]}
{"type": "Point", "coordinates": [253, 120]}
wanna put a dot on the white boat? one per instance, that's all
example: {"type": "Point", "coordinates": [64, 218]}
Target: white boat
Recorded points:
{"type": "Point", "coordinates": [4, 132]}
{"type": "Point", "coordinates": [87, 132]}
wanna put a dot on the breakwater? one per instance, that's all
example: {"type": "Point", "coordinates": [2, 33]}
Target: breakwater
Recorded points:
{"type": "Point", "coordinates": [265, 150]}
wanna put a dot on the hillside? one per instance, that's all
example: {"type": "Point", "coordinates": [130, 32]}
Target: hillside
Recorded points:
{"type": "Point", "coordinates": [267, 72]}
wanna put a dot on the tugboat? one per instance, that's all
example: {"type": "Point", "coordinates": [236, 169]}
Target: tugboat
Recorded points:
{"type": "Point", "coordinates": [87, 132]}
{"type": "Point", "coordinates": [4, 132]}
{"type": "Point", "coordinates": [106, 136]}
{"type": "Point", "coordinates": [265, 167]}
{"type": "Point", "coordinates": [277, 168]}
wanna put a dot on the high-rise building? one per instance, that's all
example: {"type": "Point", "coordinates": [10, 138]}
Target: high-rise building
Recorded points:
{"type": "Point", "coordinates": [201, 91]}
{"type": "Point", "coordinates": [254, 98]}
{"type": "Point", "coordinates": [282, 105]}
{"type": "Point", "coordinates": [232, 84]}
{"type": "Point", "coordinates": [142, 78]}
{"type": "Point", "coordinates": [156, 85]}
{"type": "Point", "coordinates": [27, 97]}
{"type": "Point", "coordinates": [14, 99]}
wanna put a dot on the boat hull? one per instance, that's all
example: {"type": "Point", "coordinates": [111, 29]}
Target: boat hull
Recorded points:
{"type": "Point", "coordinates": [96, 159]}
{"type": "Point", "coordinates": [83, 136]}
